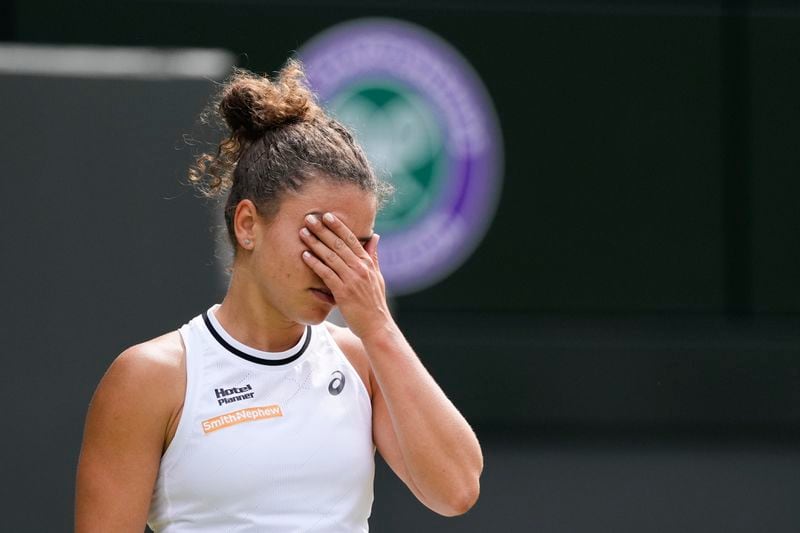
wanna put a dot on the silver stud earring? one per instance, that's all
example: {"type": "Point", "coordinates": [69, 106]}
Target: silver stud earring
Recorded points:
{"type": "Point", "coordinates": [248, 242]}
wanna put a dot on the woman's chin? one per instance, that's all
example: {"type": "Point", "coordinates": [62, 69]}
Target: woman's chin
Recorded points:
{"type": "Point", "coordinates": [316, 314]}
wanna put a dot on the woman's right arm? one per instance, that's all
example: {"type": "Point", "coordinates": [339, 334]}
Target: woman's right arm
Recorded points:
{"type": "Point", "coordinates": [129, 417]}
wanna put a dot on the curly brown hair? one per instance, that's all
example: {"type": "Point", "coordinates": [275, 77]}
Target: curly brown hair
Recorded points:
{"type": "Point", "coordinates": [279, 138]}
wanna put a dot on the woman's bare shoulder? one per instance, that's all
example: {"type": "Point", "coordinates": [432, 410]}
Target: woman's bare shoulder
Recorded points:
{"type": "Point", "coordinates": [345, 339]}
{"type": "Point", "coordinates": [126, 432]}
{"type": "Point", "coordinates": [164, 353]}
{"type": "Point", "coordinates": [153, 365]}
{"type": "Point", "coordinates": [143, 388]}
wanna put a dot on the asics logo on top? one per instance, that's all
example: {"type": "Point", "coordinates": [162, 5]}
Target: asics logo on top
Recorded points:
{"type": "Point", "coordinates": [227, 395]}
{"type": "Point", "coordinates": [337, 383]}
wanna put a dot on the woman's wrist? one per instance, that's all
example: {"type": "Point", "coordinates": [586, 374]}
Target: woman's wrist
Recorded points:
{"type": "Point", "coordinates": [381, 334]}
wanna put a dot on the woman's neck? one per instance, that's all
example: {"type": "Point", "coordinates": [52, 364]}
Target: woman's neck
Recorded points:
{"type": "Point", "coordinates": [251, 320]}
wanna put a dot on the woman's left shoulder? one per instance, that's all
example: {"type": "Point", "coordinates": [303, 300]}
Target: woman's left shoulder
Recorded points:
{"type": "Point", "coordinates": [352, 347]}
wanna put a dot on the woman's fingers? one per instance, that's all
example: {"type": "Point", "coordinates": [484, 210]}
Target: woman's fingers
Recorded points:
{"type": "Point", "coordinates": [329, 257]}
{"type": "Point", "coordinates": [330, 240]}
{"type": "Point", "coordinates": [338, 237]}
{"type": "Point", "coordinates": [344, 233]}
{"type": "Point", "coordinates": [349, 269]}
{"type": "Point", "coordinates": [325, 273]}
{"type": "Point", "coordinates": [334, 245]}
{"type": "Point", "coordinates": [372, 247]}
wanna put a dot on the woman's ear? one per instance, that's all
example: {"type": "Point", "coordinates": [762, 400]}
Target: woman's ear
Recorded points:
{"type": "Point", "coordinates": [244, 224]}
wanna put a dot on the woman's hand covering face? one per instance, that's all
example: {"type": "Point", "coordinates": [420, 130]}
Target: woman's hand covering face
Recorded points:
{"type": "Point", "coordinates": [349, 269]}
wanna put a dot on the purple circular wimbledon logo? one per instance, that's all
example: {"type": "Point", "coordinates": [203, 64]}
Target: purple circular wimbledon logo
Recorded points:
{"type": "Point", "coordinates": [428, 127]}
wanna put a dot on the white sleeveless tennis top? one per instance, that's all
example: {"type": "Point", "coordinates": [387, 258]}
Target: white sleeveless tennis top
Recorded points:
{"type": "Point", "coordinates": [266, 442]}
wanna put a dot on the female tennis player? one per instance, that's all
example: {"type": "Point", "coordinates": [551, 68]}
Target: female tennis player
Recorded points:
{"type": "Point", "coordinates": [258, 415]}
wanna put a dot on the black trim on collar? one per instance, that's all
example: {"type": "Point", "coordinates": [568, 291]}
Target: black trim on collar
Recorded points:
{"type": "Point", "coordinates": [252, 359]}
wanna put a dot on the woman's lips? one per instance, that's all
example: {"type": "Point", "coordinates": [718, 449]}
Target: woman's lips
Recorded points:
{"type": "Point", "coordinates": [324, 295]}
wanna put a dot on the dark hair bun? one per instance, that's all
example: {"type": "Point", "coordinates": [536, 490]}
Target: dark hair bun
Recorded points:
{"type": "Point", "coordinates": [252, 104]}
